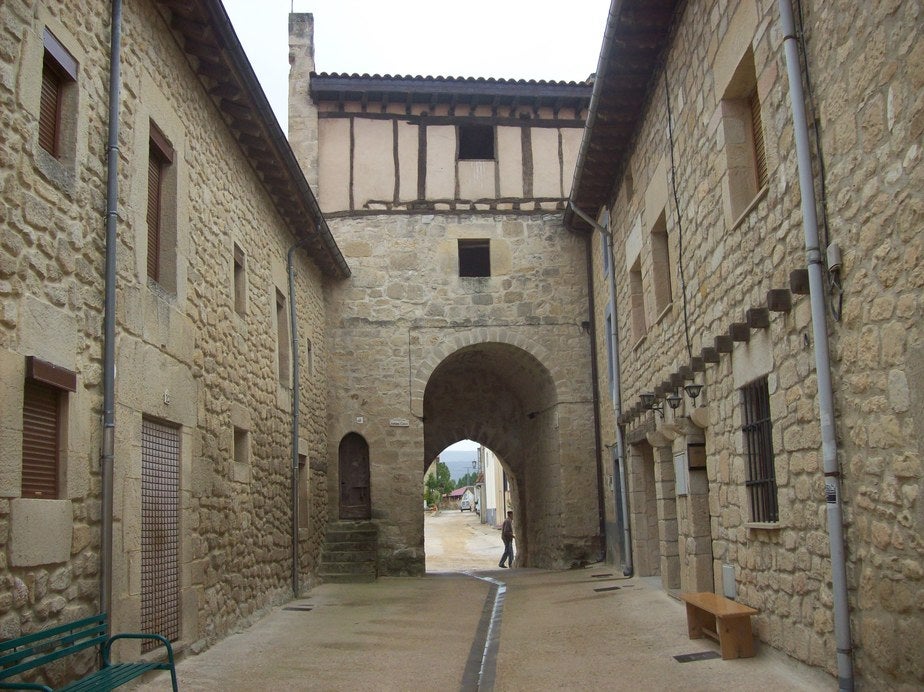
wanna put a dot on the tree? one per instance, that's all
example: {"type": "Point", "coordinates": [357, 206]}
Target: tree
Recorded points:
{"type": "Point", "coordinates": [438, 484]}
{"type": "Point", "coordinates": [467, 479]}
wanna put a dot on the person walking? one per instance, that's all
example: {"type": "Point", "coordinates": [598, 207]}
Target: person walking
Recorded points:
{"type": "Point", "coordinates": [507, 536]}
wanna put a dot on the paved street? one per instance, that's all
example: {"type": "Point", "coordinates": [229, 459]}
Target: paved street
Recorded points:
{"type": "Point", "coordinates": [575, 630]}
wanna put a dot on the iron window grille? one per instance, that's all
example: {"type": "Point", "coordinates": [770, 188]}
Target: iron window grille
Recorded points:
{"type": "Point", "coordinates": [758, 442]}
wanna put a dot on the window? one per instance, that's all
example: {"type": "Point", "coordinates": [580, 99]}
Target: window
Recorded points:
{"type": "Point", "coordinates": [744, 139]}
{"type": "Point", "coordinates": [160, 222]}
{"type": "Point", "coordinates": [637, 301]}
{"type": "Point", "coordinates": [309, 355]}
{"type": "Point", "coordinates": [282, 338]}
{"type": "Point", "coordinates": [661, 265]}
{"type": "Point", "coordinates": [241, 446]}
{"type": "Point", "coordinates": [758, 448]}
{"type": "Point", "coordinates": [240, 282]}
{"type": "Point", "coordinates": [43, 416]}
{"type": "Point", "coordinates": [474, 258]}
{"type": "Point", "coordinates": [59, 78]}
{"type": "Point", "coordinates": [476, 142]}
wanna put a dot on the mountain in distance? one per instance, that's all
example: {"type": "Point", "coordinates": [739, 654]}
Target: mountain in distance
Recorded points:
{"type": "Point", "coordinates": [459, 462]}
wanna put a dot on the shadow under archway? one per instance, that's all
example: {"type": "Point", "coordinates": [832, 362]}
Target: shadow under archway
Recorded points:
{"type": "Point", "coordinates": [501, 396]}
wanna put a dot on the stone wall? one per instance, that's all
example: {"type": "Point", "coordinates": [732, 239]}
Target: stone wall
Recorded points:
{"type": "Point", "coordinates": [502, 360]}
{"type": "Point", "coordinates": [185, 355]}
{"type": "Point", "coordinates": [866, 70]}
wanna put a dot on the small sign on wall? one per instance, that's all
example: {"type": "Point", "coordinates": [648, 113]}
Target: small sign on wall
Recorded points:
{"type": "Point", "coordinates": [681, 479]}
{"type": "Point", "coordinates": [399, 423]}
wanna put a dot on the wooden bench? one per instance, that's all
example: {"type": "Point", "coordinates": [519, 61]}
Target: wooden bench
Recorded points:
{"type": "Point", "coordinates": [32, 651]}
{"type": "Point", "coordinates": [724, 620]}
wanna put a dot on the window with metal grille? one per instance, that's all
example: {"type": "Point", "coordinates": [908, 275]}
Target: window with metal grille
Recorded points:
{"type": "Point", "coordinates": [758, 448]}
{"type": "Point", "coordinates": [474, 258]}
{"type": "Point", "coordinates": [41, 440]}
{"type": "Point", "coordinates": [160, 581]}
{"type": "Point", "coordinates": [59, 70]}
{"type": "Point", "coordinates": [476, 142]}
{"type": "Point", "coordinates": [757, 134]}
{"type": "Point", "coordinates": [160, 158]}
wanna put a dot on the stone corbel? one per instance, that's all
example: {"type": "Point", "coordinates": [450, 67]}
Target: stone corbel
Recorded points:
{"type": "Point", "coordinates": [656, 438]}
{"type": "Point", "coordinates": [700, 417]}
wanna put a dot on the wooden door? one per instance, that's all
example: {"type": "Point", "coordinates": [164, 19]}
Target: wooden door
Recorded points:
{"type": "Point", "coordinates": [355, 500]}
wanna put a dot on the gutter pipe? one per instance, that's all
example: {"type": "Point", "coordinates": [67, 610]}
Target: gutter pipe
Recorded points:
{"type": "Point", "coordinates": [109, 314]}
{"type": "Point", "coordinates": [601, 499]}
{"type": "Point", "coordinates": [628, 568]}
{"type": "Point", "coordinates": [296, 395]}
{"type": "Point", "coordinates": [822, 362]}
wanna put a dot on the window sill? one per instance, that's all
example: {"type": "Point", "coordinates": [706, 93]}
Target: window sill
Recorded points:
{"type": "Point", "coordinates": [664, 313]}
{"type": "Point", "coordinates": [758, 198]}
{"type": "Point", "coordinates": [763, 526]}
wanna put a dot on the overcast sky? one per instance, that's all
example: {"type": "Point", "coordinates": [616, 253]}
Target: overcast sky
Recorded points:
{"type": "Point", "coordinates": [513, 39]}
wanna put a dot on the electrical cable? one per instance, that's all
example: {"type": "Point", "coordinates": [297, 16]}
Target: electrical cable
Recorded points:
{"type": "Point", "coordinates": [683, 282]}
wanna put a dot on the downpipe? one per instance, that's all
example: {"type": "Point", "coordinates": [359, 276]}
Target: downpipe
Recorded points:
{"type": "Point", "coordinates": [628, 569]}
{"type": "Point", "coordinates": [109, 315]}
{"type": "Point", "coordinates": [296, 396]}
{"type": "Point", "coordinates": [822, 361]}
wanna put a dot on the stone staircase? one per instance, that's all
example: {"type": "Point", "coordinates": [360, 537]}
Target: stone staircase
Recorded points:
{"type": "Point", "coordinates": [350, 552]}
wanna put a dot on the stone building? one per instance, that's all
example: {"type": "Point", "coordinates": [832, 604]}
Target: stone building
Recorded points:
{"type": "Point", "coordinates": [691, 164]}
{"type": "Point", "coordinates": [466, 313]}
{"type": "Point", "coordinates": [210, 201]}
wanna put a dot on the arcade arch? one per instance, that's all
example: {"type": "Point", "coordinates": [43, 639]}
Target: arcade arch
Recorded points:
{"type": "Point", "coordinates": [502, 396]}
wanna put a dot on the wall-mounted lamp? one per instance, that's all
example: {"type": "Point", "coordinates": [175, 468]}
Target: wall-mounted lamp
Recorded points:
{"type": "Point", "coordinates": [648, 403]}
{"type": "Point", "coordinates": [674, 399]}
{"type": "Point", "coordinates": [693, 391]}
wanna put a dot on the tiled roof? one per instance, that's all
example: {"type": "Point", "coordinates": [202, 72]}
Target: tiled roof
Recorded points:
{"type": "Point", "coordinates": [636, 33]}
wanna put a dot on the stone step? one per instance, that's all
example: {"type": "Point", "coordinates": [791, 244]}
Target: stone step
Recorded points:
{"type": "Point", "coordinates": [335, 555]}
{"type": "Point", "coordinates": [347, 578]}
{"type": "Point", "coordinates": [364, 546]}
{"type": "Point", "coordinates": [350, 535]}
{"type": "Point", "coordinates": [367, 567]}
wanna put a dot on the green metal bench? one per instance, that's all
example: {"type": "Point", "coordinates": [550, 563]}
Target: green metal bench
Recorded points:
{"type": "Point", "coordinates": [34, 650]}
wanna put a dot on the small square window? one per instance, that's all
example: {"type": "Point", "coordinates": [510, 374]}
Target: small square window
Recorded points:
{"type": "Point", "coordinates": [476, 143]}
{"type": "Point", "coordinates": [474, 258]}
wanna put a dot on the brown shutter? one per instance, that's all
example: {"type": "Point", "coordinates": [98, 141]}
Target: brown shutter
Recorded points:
{"type": "Point", "coordinates": [155, 166]}
{"type": "Point", "coordinates": [40, 440]}
{"type": "Point", "coordinates": [757, 129]}
{"type": "Point", "coordinates": [50, 110]}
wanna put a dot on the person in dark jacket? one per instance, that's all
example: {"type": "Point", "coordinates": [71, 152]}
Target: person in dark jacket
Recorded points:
{"type": "Point", "coordinates": [507, 536]}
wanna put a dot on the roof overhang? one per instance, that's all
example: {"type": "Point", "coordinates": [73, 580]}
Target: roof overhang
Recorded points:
{"type": "Point", "coordinates": [453, 91]}
{"type": "Point", "coordinates": [207, 38]}
{"type": "Point", "coordinates": [636, 34]}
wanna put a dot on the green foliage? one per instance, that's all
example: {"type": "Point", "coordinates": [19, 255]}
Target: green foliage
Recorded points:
{"type": "Point", "coordinates": [438, 484]}
{"type": "Point", "coordinates": [467, 479]}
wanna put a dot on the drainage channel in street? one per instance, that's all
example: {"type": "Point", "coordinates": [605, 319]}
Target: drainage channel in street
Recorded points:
{"type": "Point", "coordinates": [481, 667]}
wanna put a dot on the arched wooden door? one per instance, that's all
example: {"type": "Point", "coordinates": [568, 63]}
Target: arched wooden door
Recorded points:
{"type": "Point", "coordinates": [355, 499]}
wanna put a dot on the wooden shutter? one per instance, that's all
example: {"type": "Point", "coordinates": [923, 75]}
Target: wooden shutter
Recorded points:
{"type": "Point", "coordinates": [40, 440]}
{"type": "Point", "coordinates": [757, 130]}
{"type": "Point", "coordinates": [50, 110]}
{"type": "Point", "coordinates": [155, 168]}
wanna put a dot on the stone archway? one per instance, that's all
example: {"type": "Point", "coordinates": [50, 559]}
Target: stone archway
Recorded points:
{"type": "Point", "coordinates": [502, 396]}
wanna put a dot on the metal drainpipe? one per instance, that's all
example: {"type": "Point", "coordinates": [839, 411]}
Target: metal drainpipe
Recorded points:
{"type": "Point", "coordinates": [628, 568]}
{"type": "Point", "coordinates": [822, 362]}
{"type": "Point", "coordinates": [109, 314]}
{"type": "Point", "coordinates": [296, 587]}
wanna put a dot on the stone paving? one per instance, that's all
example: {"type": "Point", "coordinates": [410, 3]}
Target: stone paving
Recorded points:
{"type": "Point", "coordinates": [570, 630]}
